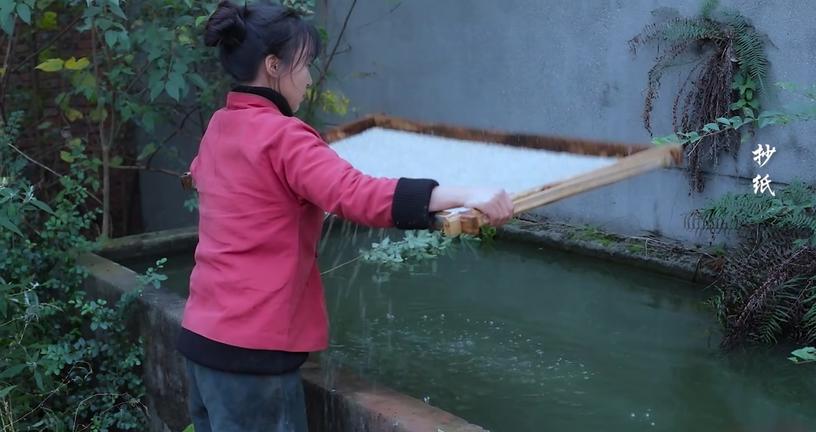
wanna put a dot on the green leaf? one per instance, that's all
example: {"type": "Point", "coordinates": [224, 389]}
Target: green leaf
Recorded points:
{"type": "Point", "coordinates": [147, 151]}
{"type": "Point", "coordinates": [38, 380]}
{"type": "Point", "coordinates": [175, 83]}
{"type": "Point", "coordinates": [74, 64]}
{"type": "Point", "coordinates": [51, 65]}
{"type": "Point", "coordinates": [805, 354]}
{"type": "Point", "coordinates": [156, 87]}
{"type": "Point", "coordinates": [48, 21]}
{"type": "Point", "coordinates": [73, 114]}
{"type": "Point", "coordinates": [24, 12]}
{"type": "Point", "coordinates": [124, 39]}
{"type": "Point", "coordinates": [4, 392]}
{"type": "Point", "coordinates": [724, 121]}
{"type": "Point", "coordinates": [85, 83]}
{"type": "Point", "coordinates": [149, 121]}
{"type": "Point", "coordinates": [111, 36]}
{"type": "Point", "coordinates": [12, 371]}
{"type": "Point", "coordinates": [736, 122]}
{"type": "Point", "coordinates": [669, 139]}
{"type": "Point", "coordinates": [99, 114]}
{"type": "Point", "coordinates": [200, 20]}
{"type": "Point", "coordinates": [116, 161]}
{"type": "Point", "coordinates": [42, 206]}
{"type": "Point", "coordinates": [7, 15]}
{"type": "Point", "coordinates": [117, 10]}
{"type": "Point", "coordinates": [67, 157]}
{"type": "Point", "coordinates": [185, 39]}
{"type": "Point", "coordinates": [711, 127]}
{"type": "Point", "coordinates": [7, 224]}
{"type": "Point", "coordinates": [198, 81]}
{"type": "Point", "coordinates": [189, 428]}
{"type": "Point", "coordinates": [766, 121]}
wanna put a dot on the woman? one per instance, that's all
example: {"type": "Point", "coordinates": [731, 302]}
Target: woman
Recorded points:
{"type": "Point", "coordinates": [265, 180]}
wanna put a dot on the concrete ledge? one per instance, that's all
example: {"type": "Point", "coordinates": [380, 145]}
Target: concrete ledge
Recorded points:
{"type": "Point", "coordinates": [663, 256]}
{"type": "Point", "coordinates": [350, 404]}
{"type": "Point", "coordinates": [139, 246]}
{"type": "Point", "coordinates": [337, 400]}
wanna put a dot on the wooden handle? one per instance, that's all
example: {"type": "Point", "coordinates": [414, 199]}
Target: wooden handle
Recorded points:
{"type": "Point", "coordinates": [469, 221]}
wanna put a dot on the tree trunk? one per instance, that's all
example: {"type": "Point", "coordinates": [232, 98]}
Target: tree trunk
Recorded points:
{"type": "Point", "coordinates": [106, 193]}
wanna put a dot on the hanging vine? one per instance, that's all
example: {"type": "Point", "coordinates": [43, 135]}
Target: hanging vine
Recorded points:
{"type": "Point", "coordinates": [725, 80]}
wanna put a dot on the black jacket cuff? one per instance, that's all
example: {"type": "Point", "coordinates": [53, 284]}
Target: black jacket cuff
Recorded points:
{"type": "Point", "coordinates": [412, 198]}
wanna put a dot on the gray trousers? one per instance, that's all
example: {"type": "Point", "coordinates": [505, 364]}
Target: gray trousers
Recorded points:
{"type": "Point", "coordinates": [230, 402]}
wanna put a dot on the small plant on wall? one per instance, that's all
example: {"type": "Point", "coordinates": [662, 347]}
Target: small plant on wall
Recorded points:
{"type": "Point", "coordinates": [725, 79]}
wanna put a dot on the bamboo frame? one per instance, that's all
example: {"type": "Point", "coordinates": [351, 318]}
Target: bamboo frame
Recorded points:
{"type": "Point", "coordinates": [469, 221]}
{"type": "Point", "coordinates": [634, 160]}
{"type": "Point", "coordinates": [540, 142]}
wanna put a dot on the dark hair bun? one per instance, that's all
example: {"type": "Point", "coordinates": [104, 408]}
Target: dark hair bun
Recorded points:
{"type": "Point", "coordinates": [226, 26]}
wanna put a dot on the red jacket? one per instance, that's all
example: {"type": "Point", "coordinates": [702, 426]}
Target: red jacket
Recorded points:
{"type": "Point", "coordinates": [265, 181]}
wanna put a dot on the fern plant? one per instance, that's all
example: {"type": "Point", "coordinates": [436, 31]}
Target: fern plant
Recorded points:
{"type": "Point", "coordinates": [726, 80]}
{"type": "Point", "coordinates": [766, 291]}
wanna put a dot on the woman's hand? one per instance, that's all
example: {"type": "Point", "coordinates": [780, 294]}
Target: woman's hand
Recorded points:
{"type": "Point", "coordinates": [494, 203]}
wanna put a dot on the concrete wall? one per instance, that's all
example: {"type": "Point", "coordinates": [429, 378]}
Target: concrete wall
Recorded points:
{"type": "Point", "coordinates": [563, 68]}
{"type": "Point", "coordinates": [557, 68]}
{"type": "Point", "coordinates": [162, 196]}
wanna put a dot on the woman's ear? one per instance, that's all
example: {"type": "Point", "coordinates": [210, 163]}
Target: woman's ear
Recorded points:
{"type": "Point", "coordinates": [272, 66]}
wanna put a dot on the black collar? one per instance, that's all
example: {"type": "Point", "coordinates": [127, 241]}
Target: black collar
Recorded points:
{"type": "Point", "coordinates": [270, 94]}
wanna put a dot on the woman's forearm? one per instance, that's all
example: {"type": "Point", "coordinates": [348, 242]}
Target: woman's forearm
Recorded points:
{"type": "Point", "coordinates": [447, 197]}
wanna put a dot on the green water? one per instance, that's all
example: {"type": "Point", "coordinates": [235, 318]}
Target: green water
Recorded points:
{"type": "Point", "coordinates": [520, 338]}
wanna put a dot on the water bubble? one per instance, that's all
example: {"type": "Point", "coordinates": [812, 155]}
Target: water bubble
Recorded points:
{"type": "Point", "coordinates": [632, 415]}
{"type": "Point", "coordinates": [390, 316]}
{"type": "Point", "coordinates": [653, 424]}
{"type": "Point", "coordinates": [442, 316]}
{"type": "Point", "coordinates": [426, 399]}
